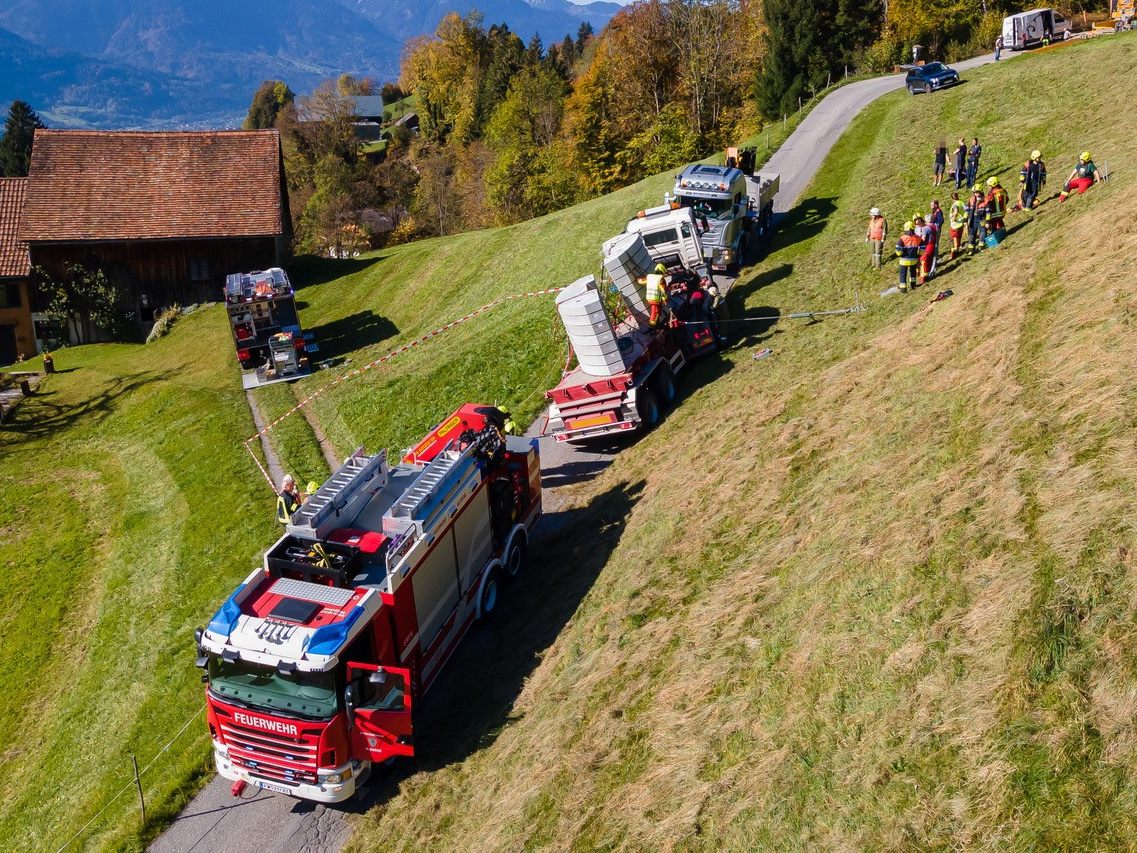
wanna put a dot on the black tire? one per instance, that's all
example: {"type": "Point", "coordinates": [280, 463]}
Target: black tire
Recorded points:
{"type": "Point", "coordinates": [911, 90]}
{"type": "Point", "coordinates": [515, 559]}
{"type": "Point", "coordinates": [743, 247]}
{"type": "Point", "coordinates": [927, 88]}
{"type": "Point", "coordinates": [491, 594]}
{"type": "Point", "coordinates": [647, 405]}
{"type": "Point", "coordinates": [664, 386]}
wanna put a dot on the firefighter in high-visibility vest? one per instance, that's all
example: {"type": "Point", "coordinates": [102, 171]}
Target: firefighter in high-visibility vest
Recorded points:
{"type": "Point", "coordinates": [908, 251]}
{"type": "Point", "coordinates": [510, 426]}
{"type": "Point", "coordinates": [288, 499]}
{"type": "Point", "coordinates": [957, 218]}
{"type": "Point", "coordinates": [996, 206]}
{"type": "Point", "coordinates": [656, 296]}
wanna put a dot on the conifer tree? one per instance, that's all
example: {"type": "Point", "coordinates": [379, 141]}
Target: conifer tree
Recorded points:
{"type": "Point", "coordinates": [16, 144]}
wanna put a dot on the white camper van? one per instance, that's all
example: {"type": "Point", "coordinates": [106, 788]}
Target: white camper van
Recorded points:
{"type": "Point", "coordinates": [1029, 29]}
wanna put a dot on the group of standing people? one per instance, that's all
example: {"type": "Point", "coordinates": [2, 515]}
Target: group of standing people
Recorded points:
{"type": "Point", "coordinates": [974, 223]}
{"type": "Point", "coordinates": [966, 163]}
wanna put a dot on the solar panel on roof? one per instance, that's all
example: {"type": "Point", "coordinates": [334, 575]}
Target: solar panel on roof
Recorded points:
{"type": "Point", "coordinates": [294, 610]}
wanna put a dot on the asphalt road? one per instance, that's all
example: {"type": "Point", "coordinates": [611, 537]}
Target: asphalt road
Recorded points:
{"type": "Point", "coordinates": [215, 821]}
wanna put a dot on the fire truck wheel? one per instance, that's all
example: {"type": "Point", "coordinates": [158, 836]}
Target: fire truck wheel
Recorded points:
{"type": "Point", "coordinates": [516, 557]}
{"type": "Point", "coordinates": [647, 404]}
{"type": "Point", "coordinates": [664, 386]}
{"type": "Point", "coordinates": [490, 593]}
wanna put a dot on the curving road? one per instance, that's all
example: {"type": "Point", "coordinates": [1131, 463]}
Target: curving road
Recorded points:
{"type": "Point", "coordinates": [216, 821]}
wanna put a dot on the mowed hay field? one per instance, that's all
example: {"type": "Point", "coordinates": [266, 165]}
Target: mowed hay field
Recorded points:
{"type": "Point", "coordinates": [130, 509]}
{"type": "Point", "coordinates": [874, 592]}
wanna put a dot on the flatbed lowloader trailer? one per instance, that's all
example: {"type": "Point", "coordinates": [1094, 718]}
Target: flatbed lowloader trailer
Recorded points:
{"type": "Point", "coordinates": [626, 370]}
{"type": "Point", "coordinates": [316, 661]}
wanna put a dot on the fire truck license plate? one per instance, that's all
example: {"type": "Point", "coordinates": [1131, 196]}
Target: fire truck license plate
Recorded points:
{"type": "Point", "coordinates": [279, 789]}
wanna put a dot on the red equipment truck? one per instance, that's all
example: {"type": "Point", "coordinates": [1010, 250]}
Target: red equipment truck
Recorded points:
{"type": "Point", "coordinates": [271, 347]}
{"type": "Point", "coordinates": [626, 370]}
{"type": "Point", "coordinates": [315, 663]}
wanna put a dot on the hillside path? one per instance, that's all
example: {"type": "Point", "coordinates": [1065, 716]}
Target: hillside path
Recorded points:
{"type": "Point", "coordinates": [216, 821]}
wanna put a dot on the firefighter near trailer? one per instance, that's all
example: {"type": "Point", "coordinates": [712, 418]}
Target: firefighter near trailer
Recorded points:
{"type": "Point", "coordinates": [315, 663]}
{"type": "Point", "coordinates": [271, 346]}
{"type": "Point", "coordinates": [628, 360]}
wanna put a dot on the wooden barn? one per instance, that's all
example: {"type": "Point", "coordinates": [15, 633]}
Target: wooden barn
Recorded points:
{"type": "Point", "coordinates": [165, 215]}
{"type": "Point", "coordinates": [17, 335]}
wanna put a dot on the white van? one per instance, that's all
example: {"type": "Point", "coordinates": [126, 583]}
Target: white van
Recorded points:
{"type": "Point", "coordinates": [1029, 29]}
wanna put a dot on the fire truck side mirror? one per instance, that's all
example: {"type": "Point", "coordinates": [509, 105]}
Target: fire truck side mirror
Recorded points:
{"type": "Point", "coordinates": [349, 704]}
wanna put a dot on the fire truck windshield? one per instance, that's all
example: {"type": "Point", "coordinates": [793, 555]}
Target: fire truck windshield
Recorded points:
{"type": "Point", "coordinates": [301, 694]}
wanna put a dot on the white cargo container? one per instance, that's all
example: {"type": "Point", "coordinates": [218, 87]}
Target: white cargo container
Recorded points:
{"type": "Point", "coordinates": [1030, 29]}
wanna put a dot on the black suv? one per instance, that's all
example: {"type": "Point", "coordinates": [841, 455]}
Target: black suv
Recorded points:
{"type": "Point", "coordinates": [929, 78]}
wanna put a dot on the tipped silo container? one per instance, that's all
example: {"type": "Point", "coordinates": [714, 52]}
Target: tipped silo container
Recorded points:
{"type": "Point", "coordinates": [589, 328]}
{"type": "Point", "coordinates": [627, 260]}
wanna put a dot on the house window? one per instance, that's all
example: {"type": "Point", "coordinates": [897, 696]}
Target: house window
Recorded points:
{"type": "Point", "coordinates": [9, 296]}
{"type": "Point", "coordinates": [199, 269]}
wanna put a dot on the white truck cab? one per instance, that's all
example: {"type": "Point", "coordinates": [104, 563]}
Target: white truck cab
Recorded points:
{"type": "Point", "coordinates": [671, 236]}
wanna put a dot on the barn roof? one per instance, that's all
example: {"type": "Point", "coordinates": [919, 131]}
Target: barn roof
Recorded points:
{"type": "Point", "coordinates": [14, 260]}
{"type": "Point", "coordinates": [134, 185]}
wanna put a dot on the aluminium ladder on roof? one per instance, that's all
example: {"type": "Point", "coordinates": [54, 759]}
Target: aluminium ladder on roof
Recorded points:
{"type": "Point", "coordinates": [342, 496]}
{"type": "Point", "coordinates": [437, 480]}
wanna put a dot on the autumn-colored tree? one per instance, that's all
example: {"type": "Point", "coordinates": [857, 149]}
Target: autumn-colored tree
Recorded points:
{"type": "Point", "coordinates": [522, 129]}
{"type": "Point", "coordinates": [446, 73]}
{"type": "Point", "coordinates": [349, 86]}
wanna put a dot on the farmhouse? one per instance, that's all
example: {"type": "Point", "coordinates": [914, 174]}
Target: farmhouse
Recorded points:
{"type": "Point", "coordinates": [17, 337]}
{"type": "Point", "coordinates": [164, 215]}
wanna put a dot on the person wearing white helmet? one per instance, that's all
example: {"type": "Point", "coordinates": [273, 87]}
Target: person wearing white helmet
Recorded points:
{"type": "Point", "coordinates": [288, 499]}
{"type": "Point", "coordinates": [876, 234]}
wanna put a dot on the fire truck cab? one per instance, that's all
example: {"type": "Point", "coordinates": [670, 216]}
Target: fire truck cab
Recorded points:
{"type": "Point", "coordinates": [315, 662]}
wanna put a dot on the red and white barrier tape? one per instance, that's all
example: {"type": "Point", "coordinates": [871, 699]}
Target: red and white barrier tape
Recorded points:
{"type": "Point", "coordinates": [385, 358]}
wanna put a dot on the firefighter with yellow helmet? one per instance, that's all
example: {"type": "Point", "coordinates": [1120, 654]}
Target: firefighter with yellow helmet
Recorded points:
{"type": "Point", "coordinates": [656, 296]}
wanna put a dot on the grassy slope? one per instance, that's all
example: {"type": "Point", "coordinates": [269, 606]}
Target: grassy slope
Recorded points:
{"type": "Point", "coordinates": [873, 593]}
{"type": "Point", "coordinates": [364, 308]}
{"type": "Point", "coordinates": [129, 511]}
{"type": "Point", "coordinates": [132, 509]}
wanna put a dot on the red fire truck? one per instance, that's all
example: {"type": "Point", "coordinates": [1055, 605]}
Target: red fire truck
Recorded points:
{"type": "Point", "coordinates": [271, 347]}
{"type": "Point", "coordinates": [315, 663]}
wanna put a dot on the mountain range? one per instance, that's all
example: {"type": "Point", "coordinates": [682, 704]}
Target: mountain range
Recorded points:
{"type": "Point", "coordinates": [161, 63]}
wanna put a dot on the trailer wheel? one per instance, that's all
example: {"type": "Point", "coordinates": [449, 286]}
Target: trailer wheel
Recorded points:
{"type": "Point", "coordinates": [664, 386]}
{"type": "Point", "coordinates": [491, 592]}
{"type": "Point", "coordinates": [647, 405]}
{"type": "Point", "coordinates": [516, 558]}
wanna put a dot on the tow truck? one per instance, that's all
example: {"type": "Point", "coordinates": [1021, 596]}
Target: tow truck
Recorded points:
{"type": "Point", "coordinates": [315, 663]}
{"type": "Point", "coordinates": [626, 369]}
{"type": "Point", "coordinates": [730, 206]}
{"type": "Point", "coordinates": [271, 347]}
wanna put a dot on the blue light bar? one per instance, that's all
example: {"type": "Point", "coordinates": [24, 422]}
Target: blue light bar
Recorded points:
{"type": "Point", "coordinates": [328, 639]}
{"type": "Point", "coordinates": [225, 620]}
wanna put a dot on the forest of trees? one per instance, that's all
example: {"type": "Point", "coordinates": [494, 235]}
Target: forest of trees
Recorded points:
{"type": "Point", "coordinates": [511, 130]}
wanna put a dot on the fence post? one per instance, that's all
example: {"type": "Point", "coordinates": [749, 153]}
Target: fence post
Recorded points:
{"type": "Point", "coordinates": [138, 783]}
{"type": "Point", "coordinates": [846, 72]}
{"type": "Point", "coordinates": [830, 81]}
